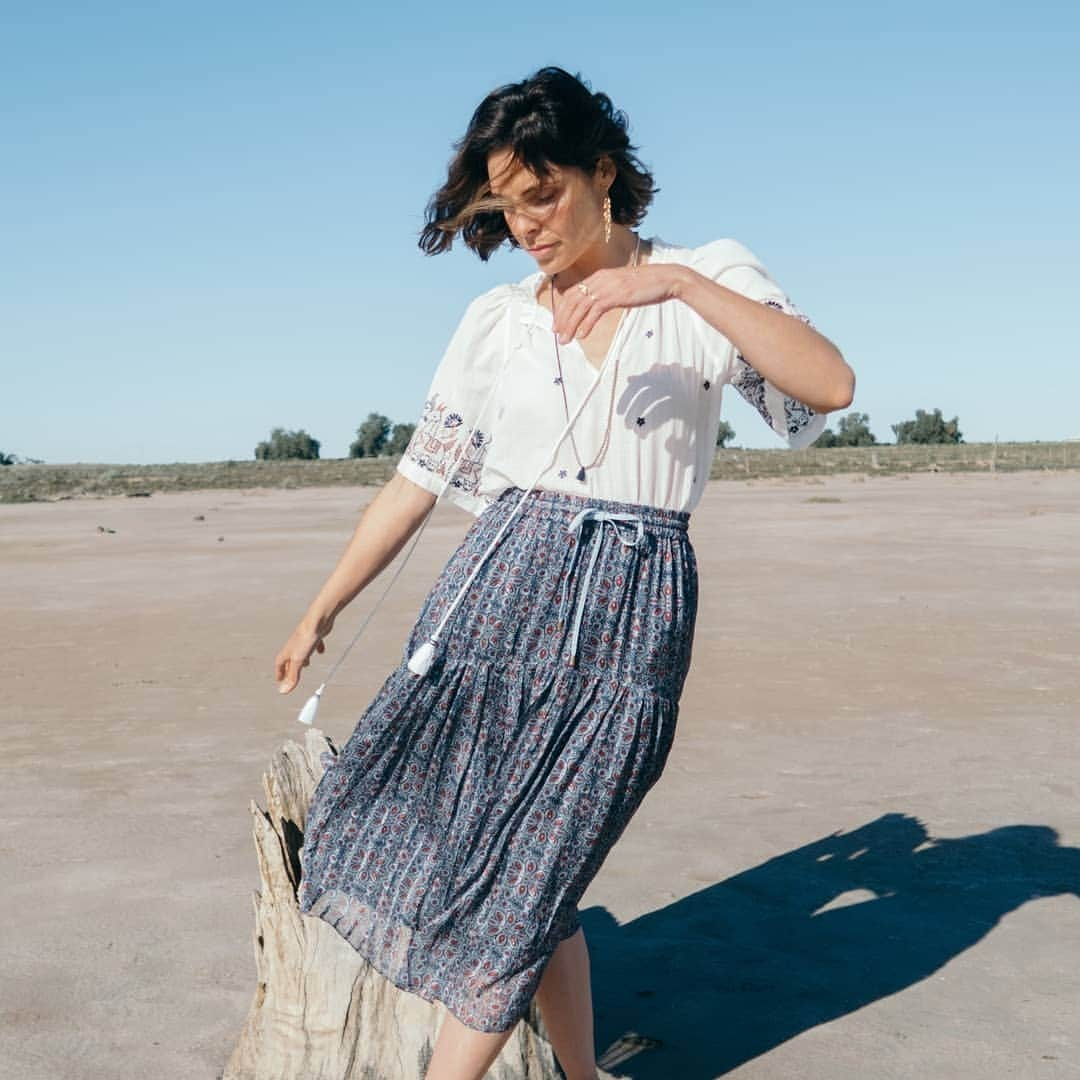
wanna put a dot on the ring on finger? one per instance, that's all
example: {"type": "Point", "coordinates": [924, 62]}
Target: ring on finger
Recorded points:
{"type": "Point", "coordinates": [582, 287]}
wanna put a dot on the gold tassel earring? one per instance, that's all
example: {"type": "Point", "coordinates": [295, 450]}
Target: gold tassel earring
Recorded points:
{"type": "Point", "coordinates": [607, 218]}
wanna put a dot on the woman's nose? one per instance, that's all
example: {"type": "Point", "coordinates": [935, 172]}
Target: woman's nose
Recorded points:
{"type": "Point", "coordinates": [522, 223]}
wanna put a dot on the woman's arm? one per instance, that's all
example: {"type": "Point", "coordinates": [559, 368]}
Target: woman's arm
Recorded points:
{"type": "Point", "coordinates": [794, 357]}
{"type": "Point", "coordinates": [383, 530]}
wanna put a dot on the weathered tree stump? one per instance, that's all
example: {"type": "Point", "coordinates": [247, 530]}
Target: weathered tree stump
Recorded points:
{"type": "Point", "coordinates": [320, 1010]}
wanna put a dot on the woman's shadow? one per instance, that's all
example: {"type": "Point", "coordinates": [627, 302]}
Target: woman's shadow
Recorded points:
{"type": "Point", "coordinates": [740, 967]}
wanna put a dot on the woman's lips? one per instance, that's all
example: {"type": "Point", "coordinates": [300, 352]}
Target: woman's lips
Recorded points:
{"type": "Point", "coordinates": [541, 250]}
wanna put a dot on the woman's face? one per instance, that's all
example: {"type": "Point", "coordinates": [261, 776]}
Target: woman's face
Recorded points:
{"type": "Point", "coordinates": [555, 218]}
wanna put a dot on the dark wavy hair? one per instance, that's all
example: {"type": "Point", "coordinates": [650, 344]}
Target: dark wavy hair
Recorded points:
{"type": "Point", "coordinates": [550, 118]}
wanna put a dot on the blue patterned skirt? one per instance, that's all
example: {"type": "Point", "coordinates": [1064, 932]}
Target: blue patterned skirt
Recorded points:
{"type": "Point", "coordinates": [451, 838]}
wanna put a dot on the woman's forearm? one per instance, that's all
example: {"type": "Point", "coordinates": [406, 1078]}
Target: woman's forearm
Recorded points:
{"type": "Point", "coordinates": [383, 529]}
{"type": "Point", "coordinates": [794, 357]}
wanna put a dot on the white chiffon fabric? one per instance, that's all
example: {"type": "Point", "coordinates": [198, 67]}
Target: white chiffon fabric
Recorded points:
{"type": "Point", "coordinates": [673, 367]}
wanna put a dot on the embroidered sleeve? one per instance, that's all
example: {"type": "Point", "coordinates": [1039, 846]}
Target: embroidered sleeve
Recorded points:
{"type": "Point", "coordinates": [442, 444]}
{"type": "Point", "coordinates": [732, 265]}
{"type": "Point", "coordinates": [793, 420]}
{"type": "Point", "coordinates": [453, 435]}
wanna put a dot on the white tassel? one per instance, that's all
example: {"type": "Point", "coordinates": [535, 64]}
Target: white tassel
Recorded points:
{"type": "Point", "coordinates": [421, 660]}
{"type": "Point", "coordinates": [311, 707]}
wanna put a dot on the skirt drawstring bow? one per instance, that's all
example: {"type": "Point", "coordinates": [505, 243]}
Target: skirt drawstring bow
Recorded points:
{"type": "Point", "coordinates": [593, 513]}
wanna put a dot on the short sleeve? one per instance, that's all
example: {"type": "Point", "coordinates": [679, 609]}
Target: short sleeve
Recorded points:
{"type": "Point", "coordinates": [733, 265]}
{"type": "Point", "coordinates": [453, 436]}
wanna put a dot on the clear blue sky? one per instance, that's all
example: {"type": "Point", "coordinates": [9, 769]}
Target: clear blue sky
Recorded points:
{"type": "Point", "coordinates": [209, 212]}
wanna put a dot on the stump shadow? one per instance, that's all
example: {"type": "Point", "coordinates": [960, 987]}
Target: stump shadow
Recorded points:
{"type": "Point", "coordinates": [725, 975]}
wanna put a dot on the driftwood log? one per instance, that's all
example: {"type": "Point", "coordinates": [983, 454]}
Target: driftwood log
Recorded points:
{"type": "Point", "coordinates": [320, 1010]}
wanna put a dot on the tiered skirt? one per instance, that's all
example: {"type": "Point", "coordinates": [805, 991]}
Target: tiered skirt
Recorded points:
{"type": "Point", "coordinates": [451, 838]}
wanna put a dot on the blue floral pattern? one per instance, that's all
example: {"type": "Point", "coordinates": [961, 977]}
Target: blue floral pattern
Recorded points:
{"type": "Point", "coordinates": [453, 835]}
{"type": "Point", "coordinates": [798, 418]}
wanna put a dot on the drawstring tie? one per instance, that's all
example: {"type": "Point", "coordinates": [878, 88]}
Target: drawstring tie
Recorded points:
{"type": "Point", "coordinates": [594, 513]}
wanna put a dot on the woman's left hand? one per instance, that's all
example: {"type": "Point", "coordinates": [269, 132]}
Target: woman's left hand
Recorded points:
{"type": "Point", "coordinates": [576, 312]}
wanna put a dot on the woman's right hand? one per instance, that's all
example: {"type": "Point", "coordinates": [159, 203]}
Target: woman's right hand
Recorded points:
{"type": "Point", "coordinates": [295, 654]}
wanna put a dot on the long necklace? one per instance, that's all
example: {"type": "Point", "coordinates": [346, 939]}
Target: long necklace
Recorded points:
{"type": "Point", "coordinates": [580, 475]}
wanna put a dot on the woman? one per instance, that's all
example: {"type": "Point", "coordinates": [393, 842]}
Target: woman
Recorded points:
{"type": "Point", "coordinates": [537, 696]}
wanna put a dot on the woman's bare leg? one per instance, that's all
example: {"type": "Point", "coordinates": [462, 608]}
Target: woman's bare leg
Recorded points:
{"type": "Point", "coordinates": [463, 1053]}
{"type": "Point", "coordinates": [565, 1000]}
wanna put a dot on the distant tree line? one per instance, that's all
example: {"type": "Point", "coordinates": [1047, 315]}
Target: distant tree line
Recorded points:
{"type": "Point", "coordinates": [14, 459]}
{"type": "Point", "coordinates": [377, 436]}
{"type": "Point", "coordinates": [928, 428]}
{"type": "Point", "coordinates": [853, 429]}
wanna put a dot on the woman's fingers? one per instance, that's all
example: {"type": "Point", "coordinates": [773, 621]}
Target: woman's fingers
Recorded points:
{"type": "Point", "coordinates": [284, 677]}
{"type": "Point", "coordinates": [294, 657]}
{"type": "Point", "coordinates": [568, 311]}
{"type": "Point", "coordinates": [570, 316]}
{"type": "Point", "coordinates": [577, 313]}
{"type": "Point", "coordinates": [290, 676]}
{"type": "Point", "coordinates": [590, 318]}
{"type": "Point", "coordinates": [294, 665]}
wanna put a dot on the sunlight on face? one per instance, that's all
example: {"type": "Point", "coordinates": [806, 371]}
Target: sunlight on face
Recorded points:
{"type": "Point", "coordinates": [554, 217]}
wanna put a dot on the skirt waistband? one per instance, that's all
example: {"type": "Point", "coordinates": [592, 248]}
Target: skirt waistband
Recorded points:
{"type": "Point", "coordinates": [656, 517]}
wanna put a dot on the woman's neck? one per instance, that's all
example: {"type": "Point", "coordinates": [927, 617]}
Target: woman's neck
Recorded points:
{"type": "Point", "coordinates": [618, 252]}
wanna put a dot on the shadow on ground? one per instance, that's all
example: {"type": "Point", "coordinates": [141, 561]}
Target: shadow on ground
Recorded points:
{"type": "Point", "coordinates": [727, 974]}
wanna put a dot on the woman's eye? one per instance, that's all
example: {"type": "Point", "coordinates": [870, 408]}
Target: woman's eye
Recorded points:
{"type": "Point", "coordinates": [542, 200]}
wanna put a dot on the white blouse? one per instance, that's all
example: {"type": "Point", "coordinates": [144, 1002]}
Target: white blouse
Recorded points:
{"type": "Point", "coordinates": [495, 409]}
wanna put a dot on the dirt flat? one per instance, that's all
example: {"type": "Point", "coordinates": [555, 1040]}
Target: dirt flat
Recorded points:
{"type": "Point", "coordinates": [863, 858]}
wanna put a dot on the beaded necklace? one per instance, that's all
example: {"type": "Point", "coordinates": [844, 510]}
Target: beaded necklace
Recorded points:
{"type": "Point", "coordinates": [580, 475]}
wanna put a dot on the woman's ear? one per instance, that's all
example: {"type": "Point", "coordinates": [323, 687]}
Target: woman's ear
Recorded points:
{"type": "Point", "coordinates": [604, 174]}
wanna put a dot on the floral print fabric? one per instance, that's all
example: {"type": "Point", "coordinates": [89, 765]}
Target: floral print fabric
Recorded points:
{"type": "Point", "coordinates": [451, 839]}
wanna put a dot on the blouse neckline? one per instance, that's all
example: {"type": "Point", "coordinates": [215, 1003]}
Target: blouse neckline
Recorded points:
{"type": "Point", "coordinates": [533, 313]}
{"type": "Point", "coordinates": [529, 283]}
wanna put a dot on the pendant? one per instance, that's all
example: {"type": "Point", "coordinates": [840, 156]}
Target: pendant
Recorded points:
{"type": "Point", "coordinates": [581, 474]}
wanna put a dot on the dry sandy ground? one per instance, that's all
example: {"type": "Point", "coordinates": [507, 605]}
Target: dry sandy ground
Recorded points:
{"type": "Point", "coordinates": [863, 859]}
